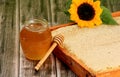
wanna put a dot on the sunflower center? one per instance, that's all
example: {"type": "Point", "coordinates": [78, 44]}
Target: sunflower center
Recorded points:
{"type": "Point", "coordinates": [86, 12]}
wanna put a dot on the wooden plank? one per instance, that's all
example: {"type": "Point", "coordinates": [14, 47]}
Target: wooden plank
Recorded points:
{"type": "Point", "coordinates": [113, 5]}
{"type": "Point", "coordinates": [27, 68]}
{"type": "Point", "coordinates": [30, 9]}
{"type": "Point", "coordinates": [8, 53]}
{"type": "Point", "coordinates": [63, 70]}
{"type": "Point", "coordinates": [35, 9]}
{"type": "Point", "coordinates": [57, 9]}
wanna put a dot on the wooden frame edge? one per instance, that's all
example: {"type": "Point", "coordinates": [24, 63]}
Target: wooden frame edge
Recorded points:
{"type": "Point", "coordinates": [71, 61]}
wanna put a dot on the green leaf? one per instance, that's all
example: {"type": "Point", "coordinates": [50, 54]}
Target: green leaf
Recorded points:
{"type": "Point", "coordinates": [68, 3]}
{"type": "Point", "coordinates": [106, 17]}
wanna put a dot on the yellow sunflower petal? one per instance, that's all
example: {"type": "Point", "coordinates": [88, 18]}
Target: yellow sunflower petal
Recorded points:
{"type": "Point", "coordinates": [98, 22]}
{"type": "Point", "coordinates": [73, 9]}
{"type": "Point", "coordinates": [86, 22]}
{"type": "Point", "coordinates": [97, 7]}
{"type": "Point", "coordinates": [91, 25]}
{"type": "Point", "coordinates": [74, 18]}
{"type": "Point", "coordinates": [80, 23]}
{"type": "Point", "coordinates": [97, 4]}
{"type": "Point", "coordinates": [90, 1]}
{"type": "Point", "coordinates": [77, 2]}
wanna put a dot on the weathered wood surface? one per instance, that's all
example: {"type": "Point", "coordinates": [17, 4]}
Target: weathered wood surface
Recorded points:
{"type": "Point", "coordinates": [13, 14]}
{"type": "Point", "coordinates": [113, 5]}
{"type": "Point", "coordinates": [8, 52]}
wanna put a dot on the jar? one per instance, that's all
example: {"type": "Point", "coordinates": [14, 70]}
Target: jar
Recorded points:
{"type": "Point", "coordinates": [35, 38]}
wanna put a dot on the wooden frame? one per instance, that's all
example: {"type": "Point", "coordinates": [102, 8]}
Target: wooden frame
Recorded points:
{"type": "Point", "coordinates": [76, 65]}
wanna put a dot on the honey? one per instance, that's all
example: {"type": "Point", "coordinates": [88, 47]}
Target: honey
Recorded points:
{"type": "Point", "coordinates": [35, 40]}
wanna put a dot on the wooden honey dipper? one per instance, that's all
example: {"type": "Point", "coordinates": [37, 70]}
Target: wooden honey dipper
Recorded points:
{"type": "Point", "coordinates": [57, 40]}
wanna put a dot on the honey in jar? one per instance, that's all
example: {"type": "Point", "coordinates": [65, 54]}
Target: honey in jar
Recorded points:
{"type": "Point", "coordinates": [35, 38]}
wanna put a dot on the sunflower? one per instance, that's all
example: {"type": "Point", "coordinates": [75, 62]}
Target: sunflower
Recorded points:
{"type": "Point", "coordinates": [86, 13]}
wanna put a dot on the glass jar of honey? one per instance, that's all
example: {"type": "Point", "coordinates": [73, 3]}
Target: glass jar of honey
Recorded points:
{"type": "Point", "coordinates": [35, 39]}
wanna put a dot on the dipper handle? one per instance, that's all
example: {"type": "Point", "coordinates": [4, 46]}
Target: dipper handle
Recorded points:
{"type": "Point", "coordinates": [57, 40]}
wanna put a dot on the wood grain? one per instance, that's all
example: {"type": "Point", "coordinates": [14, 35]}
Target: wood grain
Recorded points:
{"type": "Point", "coordinates": [31, 9]}
{"type": "Point", "coordinates": [8, 62]}
{"type": "Point", "coordinates": [57, 12]}
{"type": "Point", "coordinates": [72, 62]}
{"type": "Point", "coordinates": [112, 5]}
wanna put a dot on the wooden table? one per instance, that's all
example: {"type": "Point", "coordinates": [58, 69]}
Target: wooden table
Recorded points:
{"type": "Point", "coordinates": [13, 14]}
